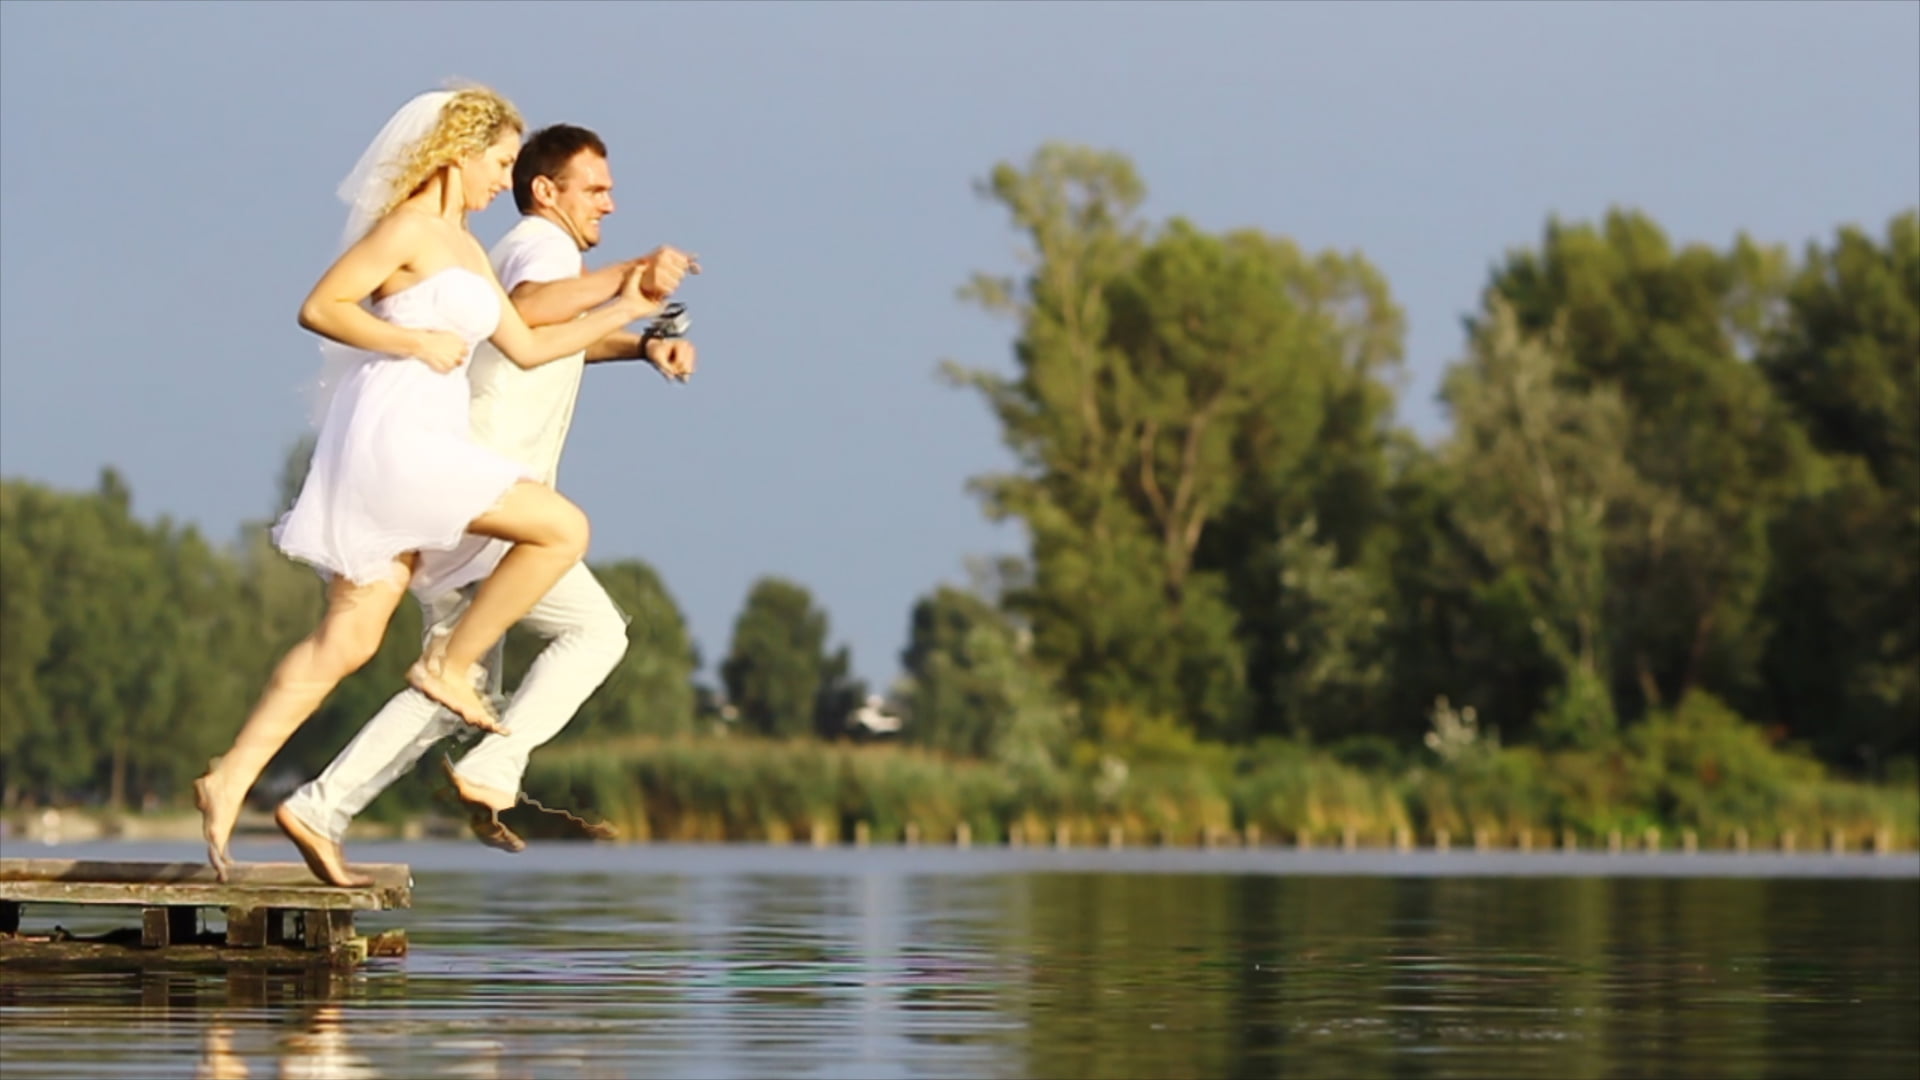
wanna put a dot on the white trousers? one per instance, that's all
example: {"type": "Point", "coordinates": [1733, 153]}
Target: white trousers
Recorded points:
{"type": "Point", "coordinates": [587, 635]}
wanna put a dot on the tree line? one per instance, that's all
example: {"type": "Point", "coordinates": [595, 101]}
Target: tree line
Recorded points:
{"type": "Point", "coordinates": [1673, 472]}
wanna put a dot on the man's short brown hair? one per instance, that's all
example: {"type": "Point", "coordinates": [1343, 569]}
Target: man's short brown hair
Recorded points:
{"type": "Point", "coordinates": [546, 153]}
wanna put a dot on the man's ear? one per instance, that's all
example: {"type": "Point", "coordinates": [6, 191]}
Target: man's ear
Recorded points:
{"type": "Point", "coordinates": [545, 191]}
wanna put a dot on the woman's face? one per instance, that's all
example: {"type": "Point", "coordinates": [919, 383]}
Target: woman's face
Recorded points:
{"type": "Point", "coordinates": [490, 172]}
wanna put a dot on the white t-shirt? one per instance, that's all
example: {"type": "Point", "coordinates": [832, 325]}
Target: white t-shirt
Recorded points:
{"type": "Point", "coordinates": [524, 413]}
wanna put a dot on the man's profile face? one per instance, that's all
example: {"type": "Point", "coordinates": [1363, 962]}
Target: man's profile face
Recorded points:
{"type": "Point", "coordinates": [584, 194]}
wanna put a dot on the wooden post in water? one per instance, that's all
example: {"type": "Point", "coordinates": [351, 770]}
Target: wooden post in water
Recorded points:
{"type": "Point", "coordinates": [1303, 839]}
{"type": "Point", "coordinates": [326, 929]}
{"type": "Point", "coordinates": [164, 926]}
{"type": "Point", "coordinates": [1253, 835]}
{"type": "Point", "coordinates": [1652, 841]}
{"type": "Point", "coordinates": [963, 835]}
{"type": "Point", "coordinates": [1613, 842]}
{"type": "Point", "coordinates": [1787, 842]}
{"type": "Point", "coordinates": [1481, 840]}
{"type": "Point", "coordinates": [1114, 838]}
{"type": "Point", "coordinates": [912, 834]}
{"type": "Point", "coordinates": [1062, 836]}
{"type": "Point", "coordinates": [1689, 842]}
{"type": "Point", "coordinates": [1568, 841]}
{"type": "Point", "coordinates": [1883, 841]}
{"type": "Point", "coordinates": [1017, 835]}
{"type": "Point", "coordinates": [1526, 839]}
{"type": "Point", "coordinates": [1402, 839]}
{"type": "Point", "coordinates": [1836, 841]}
{"type": "Point", "coordinates": [246, 927]}
{"type": "Point", "coordinates": [817, 834]}
{"type": "Point", "coordinates": [862, 833]}
{"type": "Point", "coordinates": [1441, 841]}
{"type": "Point", "coordinates": [1349, 838]}
{"type": "Point", "coordinates": [1740, 840]}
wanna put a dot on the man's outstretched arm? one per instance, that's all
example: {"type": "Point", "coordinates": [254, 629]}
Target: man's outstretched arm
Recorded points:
{"type": "Point", "coordinates": [674, 358]}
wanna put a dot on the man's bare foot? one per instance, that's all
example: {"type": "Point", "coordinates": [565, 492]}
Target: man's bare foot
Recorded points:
{"type": "Point", "coordinates": [323, 856]}
{"type": "Point", "coordinates": [483, 806]}
{"type": "Point", "coordinates": [429, 676]}
{"type": "Point", "coordinates": [218, 813]}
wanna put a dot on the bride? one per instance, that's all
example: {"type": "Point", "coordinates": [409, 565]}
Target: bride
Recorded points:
{"type": "Point", "coordinates": [395, 471]}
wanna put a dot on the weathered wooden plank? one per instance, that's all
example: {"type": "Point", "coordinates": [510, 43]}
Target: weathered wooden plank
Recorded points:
{"type": "Point", "coordinates": [276, 885]}
{"type": "Point", "coordinates": [25, 952]}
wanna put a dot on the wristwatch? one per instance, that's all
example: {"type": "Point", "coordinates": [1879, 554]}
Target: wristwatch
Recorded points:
{"type": "Point", "coordinates": [672, 322]}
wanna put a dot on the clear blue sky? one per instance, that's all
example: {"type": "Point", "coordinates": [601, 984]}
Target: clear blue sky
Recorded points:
{"type": "Point", "coordinates": [166, 199]}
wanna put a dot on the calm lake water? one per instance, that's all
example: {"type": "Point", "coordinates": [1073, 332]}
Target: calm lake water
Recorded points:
{"type": "Point", "coordinates": [666, 961]}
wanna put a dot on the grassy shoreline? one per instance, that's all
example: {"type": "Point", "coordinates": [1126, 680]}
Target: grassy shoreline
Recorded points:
{"type": "Point", "coordinates": [739, 789]}
{"type": "Point", "coordinates": [1698, 778]}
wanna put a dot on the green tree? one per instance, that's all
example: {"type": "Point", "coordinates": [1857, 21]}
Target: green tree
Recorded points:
{"type": "Point", "coordinates": [777, 665]}
{"type": "Point", "coordinates": [1672, 332]}
{"type": "Point", "coordinates": [841, 693]}
{"type": "Point", "coordinates": [1542, 470]}
{"type": "Point", "coordinates": [1844, 597]}
{"type": "Point", "coordinates": [1174, 391]}
{"type": "Point", "coordinates": [972, 689]}
{"type": "Point", "coordinates": [26, 641]}
{"type": "Point", "coordinates": [117, 637]}
{"type": "Point", "coordinates": [1094, 615]}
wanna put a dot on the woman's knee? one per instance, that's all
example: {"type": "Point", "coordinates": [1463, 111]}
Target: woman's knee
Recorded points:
{"type": "Point", "coordinates": [571, 530]}
{"type": "Point", "coordinates": [358, 652]}
{"type": "Point", "coordinates": [345, 646]}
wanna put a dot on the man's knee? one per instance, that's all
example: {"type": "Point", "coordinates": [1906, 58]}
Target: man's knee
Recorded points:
{"type": "Point", "coordinates": [604, 640]}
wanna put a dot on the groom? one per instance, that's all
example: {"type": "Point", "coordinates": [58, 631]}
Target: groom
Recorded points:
{"type": "Point", "coordinates": [563, 187]}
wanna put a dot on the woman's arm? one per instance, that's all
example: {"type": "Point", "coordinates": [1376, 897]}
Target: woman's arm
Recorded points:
{"type": "Point", "coordinates": [544, 303]}
{"type": "Point", "coordinates": [333, 309]}
{"type": "Point", "coordinates": [530, 347]}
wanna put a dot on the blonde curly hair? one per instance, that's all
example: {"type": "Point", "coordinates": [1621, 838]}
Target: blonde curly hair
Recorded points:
{"type": "Point", "coordinates": [471, 120]}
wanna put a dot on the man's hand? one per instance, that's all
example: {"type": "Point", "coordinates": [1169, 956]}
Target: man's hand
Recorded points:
{"type": "Point", "coordinates": [674, 358]}
{"type": "Point", "coordinates": [662, 271]}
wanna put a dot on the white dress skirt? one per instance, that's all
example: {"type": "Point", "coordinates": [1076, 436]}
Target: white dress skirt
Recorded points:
{"type": "Point", "coordinates": [395, 467]}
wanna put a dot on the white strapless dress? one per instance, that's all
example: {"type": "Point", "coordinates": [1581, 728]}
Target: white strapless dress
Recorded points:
{"type": "Point", "coordinates": [395, 467]}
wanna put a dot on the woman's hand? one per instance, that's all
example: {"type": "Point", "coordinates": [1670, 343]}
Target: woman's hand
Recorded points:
{"type": "Point", "coordinates": [634, 296]}
{"type": "Point", "coordinates": [441, 350]}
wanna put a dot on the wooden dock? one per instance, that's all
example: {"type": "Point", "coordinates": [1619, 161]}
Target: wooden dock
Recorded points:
{"type": "Point", "coordinates": [277, 914]}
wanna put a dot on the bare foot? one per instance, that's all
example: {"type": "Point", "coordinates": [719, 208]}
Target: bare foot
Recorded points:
{"type": "Point", "coordinates": [429, 676]}
{"type": "Point", "coordinates": [217, 816]}
{"type": "Point", "coordinates": [323, 856]}
{"type": "Point", "coordinates": [483, 811]}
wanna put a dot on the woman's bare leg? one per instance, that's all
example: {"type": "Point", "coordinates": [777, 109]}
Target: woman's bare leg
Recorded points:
{"type": "Point", "coordinates": [347, 637]}
{"type": "Point", "coordinates": [550, 535]}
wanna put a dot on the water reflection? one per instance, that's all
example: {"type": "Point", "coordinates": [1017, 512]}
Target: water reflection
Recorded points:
{"type": "Point", "coordinates": [319, 1050]}
{"type": "Point", "coordinates": [734, 972]}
